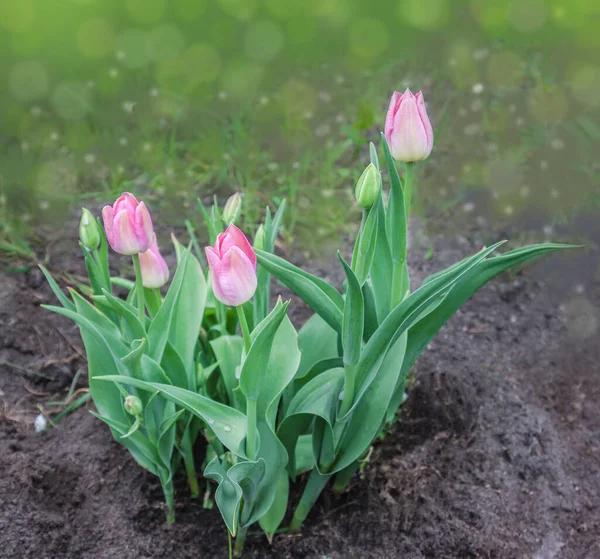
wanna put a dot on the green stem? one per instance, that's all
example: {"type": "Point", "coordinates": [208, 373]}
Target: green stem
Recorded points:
{"type": "Point", "coordinates": [229, 544]}
{"type": "Point", "coordinates": [240, 538]}
{"type": "Point", "coordinates": [398, 283]}
{"type": "Point", "coordinates": [408, 188]}
{"type": "Point", "coordinates": [170, 501]}
{"type": "Point", "coordinates": [139, 287]}
{"type": "Point", "coordinates": [244, 327]}
{"type": "Point", "coordinates": [343, 477]}
{"type": "Point", "coordinates": [251, 449]}
{"type": "Point", "coordinates": [314, 487]}
{"type": "Point", "coordinates": [190, 465]}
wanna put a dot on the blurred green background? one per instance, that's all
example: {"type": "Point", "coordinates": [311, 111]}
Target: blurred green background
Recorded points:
{"type": "Point", "coordinates": [278, 98]}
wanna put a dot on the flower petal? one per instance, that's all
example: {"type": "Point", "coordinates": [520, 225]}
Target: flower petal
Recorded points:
{"type": "Point", "coordinates": [242, 243]}
{"type": "Point", "coordinates": [107, 218]}
{"type": "Point", "coordinates": [235, 282]}
{"type": "Point", "coordinates": [389, 118]}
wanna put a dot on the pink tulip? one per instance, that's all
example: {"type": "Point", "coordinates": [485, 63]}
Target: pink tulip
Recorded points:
{"type": "Point", "coordinates": [128, 225]}
{"type": "Point", "coordinates": [232, 263]}
{"type": "Point", "coordinates": [407, 128]}
{"type": "Point", "coordinates": [155, 272]}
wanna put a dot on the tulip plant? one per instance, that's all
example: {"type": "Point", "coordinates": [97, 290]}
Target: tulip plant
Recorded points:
{"type": "Point", "coordinates": [213, 359]}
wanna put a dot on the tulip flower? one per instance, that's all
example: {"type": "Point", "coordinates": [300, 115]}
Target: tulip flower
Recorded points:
{"type": "Point", "coordinates": [407, 128]}
{"type": "Point", "coordinates": [128, 225]}
{"type": "Point", "coordinates": [232, 263]}
{"type": "Point", "coordinates": [368, 187]}
{"type": "Point", "coordinates": [155, 272]}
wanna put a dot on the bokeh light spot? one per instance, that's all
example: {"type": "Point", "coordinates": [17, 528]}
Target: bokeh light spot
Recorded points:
{"type": "Point", "coordinates": [165, 41]}
{"type": "Point", "coordinates": [71, 100]}
{"type": "Point", "coordinates": [242, 79]}
{"type": "Point", "coordinates": [528, 15]}
{"type": "Point", "coordinates": [28, 80]}
{"type": "Point", "coordinates": [189, 9]}
{"type": "Point", "coordinates": [263, 41]}
{"type": "Point", "coordinates": [95, 38]}
{"type": "Point", "coordinates": [490, 14]}
{"type": "Point", "coordinates": [297, 97]}
{"type": "Point", "coordinates": [425, 14]}
{"type": "Point", "coordinates": [17, 16]}
{"type": "Point", "coordinates": [240, 9]}
{"type": "Point", "coordinates": [368, 37]}
{"type": "Point", "coordinates": [202, 63]}
{"type": "Point", "coordinates": [504, 69]}
{"type": "Point", "coordinates": [145, 11]}
{"type": "Point", "coordinates": [548, 104]}
{"type": "Point", "coordinates": [134, 48]}
{"type": "Point", "coordinates": [585, 85]}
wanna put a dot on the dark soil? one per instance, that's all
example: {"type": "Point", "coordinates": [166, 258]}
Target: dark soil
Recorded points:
{"type": "Point", "coordinates": [496, 454]}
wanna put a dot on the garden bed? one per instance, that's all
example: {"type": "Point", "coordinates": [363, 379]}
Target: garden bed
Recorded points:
{"type": "Point", "coordinates": [496, 453]}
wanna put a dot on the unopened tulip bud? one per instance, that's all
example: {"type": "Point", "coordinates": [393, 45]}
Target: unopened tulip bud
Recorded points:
{"type": "Point", "coordinates": [133, 405]}
{"type": "Point", "coordinates": [89, 235]}
{"type": "Point", "coordinates": [128, 225]}
{"type": "Point", "coordinates": [155, 272]}
{"type": "Point", "coordinates": [407, 128]}
{"type": "Point", "coordinates": [259, 238]}
{"type": "Point", "coordinates": [232, 263]}
{"type": "Point", "coordinates": [232, 208]}
{"type": "Point", "coordinates": [368, 187]}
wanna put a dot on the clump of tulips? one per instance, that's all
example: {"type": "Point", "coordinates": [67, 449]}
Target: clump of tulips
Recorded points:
{"type": "Point", "coordinates": [211, 358]}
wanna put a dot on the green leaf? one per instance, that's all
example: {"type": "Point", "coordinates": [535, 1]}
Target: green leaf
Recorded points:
{"type": "Point", "coordinates": [228, 424]}
{"type": "Point", "coordinates": [228, 351]}
{"type": "Point", "coordinates": [371, 322]}
{"type": "Point", "coordinates": [179, 319]}
{"type": "Point", "coordinates": [381, 268]}
{"type": "Point", "coordinates": [127, 312]}
{"type": "Point", "coordinates": [273, 518]}
{"type": "Point", "coordinates": [322, 297]}
{"type": "Point", "coordinates": [422, 301]}
{"type": "Point", "coordinates": [228, 495]}
{"type": "Point", "coordinates": [365, 247]}
{"type": "Point", "coordinates": [396, 212]}
{"type": "Point", "coordinates": [255, 363]}
{"type": "Point", "coordinates": [317, 342]}
{"type": "Point", "coordinates": [64, 300]}
{"type": "Point", "coordinates": [354, 317]}
{"type": "Point", "coordinates": [248, 476]}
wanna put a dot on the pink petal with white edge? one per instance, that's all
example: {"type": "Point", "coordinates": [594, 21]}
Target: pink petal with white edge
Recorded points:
{"type": "Point", "coordinates": [409, 140]}
{"type": "Point", "coordinates": [143, 227]}
{"type": "Point", "coordinates": [242, 243]}
{"type": "Point", "coordinates": [235, 282]}
{"type": "Point", "coordinates": [124, 240]}
{"type": "Point", "coordinates": [389, 117]}
{"type": "Point", "coordinates": [107, 218]}
{"type": "Point", "coordinates": [426, 122]}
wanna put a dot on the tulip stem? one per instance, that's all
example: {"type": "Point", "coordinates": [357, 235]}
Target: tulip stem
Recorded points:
{"type": "Point", "coordinates": [408, 187]}
{"type": "Point", "coordinates": [244, 327]}
{"type": "Point", "coordinates": [251, 436]}
{"type": "Point", "coordinates": [139, 287]}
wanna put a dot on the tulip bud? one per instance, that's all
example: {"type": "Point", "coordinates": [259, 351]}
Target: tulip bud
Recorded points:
{"type": "Point", "coordinates": [259, 238]}
{"type": "Point", "coordinates": [407, 128]}
{"type": "Point", "coordinates": [232, 263]}
{"type": "Point", "coordinates": [133, 405]}
{"type": "Point", "coordinates": [155, 272]}
{"type": "Point", "coordinates": [368, 187]}
{"type": "Point", "coordinates": [232, 208]}
{"type": "Point", "coordinates": [128, 225]}
{"type": "Point", "coordinates": [89, 235]}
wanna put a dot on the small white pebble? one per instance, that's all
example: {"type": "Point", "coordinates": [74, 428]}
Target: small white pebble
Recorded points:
{"type": "Point", "coordinates": [40, 423]}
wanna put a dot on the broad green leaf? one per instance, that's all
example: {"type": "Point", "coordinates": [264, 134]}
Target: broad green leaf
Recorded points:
{"type": "Point", "coordinates": [228, 424]}
{"type": "Point", "coordinates": [127, 312]}
{"type": "Point", "coordinates": [64, 300]}
{"type": "Point", "coordinates": [228, 495]}
{"type": "Point", "coordinates": [175, 370]}
{"type": "Point", "coordinates": [368, 416]}
{"type": "Point", "coordinates": [228, 351]}
{"type": "Point", "coordinates": [86, 309]}
{"type": "Point", "coordinates": [422, 301]}
{"type": "Point", "coordinates": [322, 297]}
{"type": "Point", "coordinates": [317, 341]}
{"type": "Point", "coordinates": [255, 363]}
{"type": "Point", "coordinates": [180, 316]}
{"type": "Point", "coordinates": [318, 398]}
{"type": "Point", "coordinates": [303, 454]}
{"type": "Point", "coordinates": [353, 322]}
{"type": "Point", "coordinates": [166, 437]}
{"type": "Point", "coordinates": [371, 322]}
{"type": "Point", "coordinates": [248, 476]}
{"type": "Point", "coordinates": [396, 213]}
{"type": "Point", "coordinates": [273, 518]}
